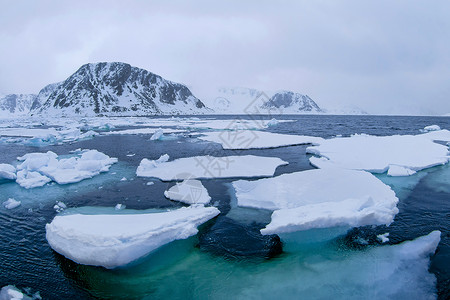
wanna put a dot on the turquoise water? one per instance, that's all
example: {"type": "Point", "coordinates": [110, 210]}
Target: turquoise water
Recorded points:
{"type": "Point", "coordinates": [229, 258]}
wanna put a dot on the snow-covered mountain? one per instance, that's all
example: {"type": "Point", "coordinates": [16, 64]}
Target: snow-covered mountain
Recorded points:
{"type": "Point", "coordinates": [251, 101]}
{"type": "Point", "coordinates": [116, 89]}
{"type": "Point", "coordinates": [16, 104]}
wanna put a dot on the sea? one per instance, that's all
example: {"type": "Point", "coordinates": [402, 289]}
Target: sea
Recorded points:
{"type": "Point", "coordinates": [228, 258]}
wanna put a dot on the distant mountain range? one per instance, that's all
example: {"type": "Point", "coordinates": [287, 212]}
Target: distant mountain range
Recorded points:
{"type": "Point", "coordinates": [118, 89]}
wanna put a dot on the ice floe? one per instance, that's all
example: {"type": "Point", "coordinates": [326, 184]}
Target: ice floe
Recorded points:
{"type": "Point", "coordinates": [253, 139]}
{"type": "Point", "coordinates": [378, 154]}
{"type": "Point", "coordinates": [116, 240]}
{"type": "Point", "coordinates": [11, 203]}
{"type": "Point", "coordinates": [209, 167]}
{"type": "Point", "coordinates": [383, 237]}
{"type": "Point", "coordinates": [48, 136]}
{"type": "Point", "coordinates": [37, 169]}
{"type": "Point", "coordinates": [7, 172]}
{"type": "Point", "coordinates": [319, 199]}
{"type": "Point", "coordinates": [189, 191]}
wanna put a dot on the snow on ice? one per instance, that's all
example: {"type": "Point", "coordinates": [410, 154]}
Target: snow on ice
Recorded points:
{"type": "Point", "coordinates": [37, 169]}
{"type": "Point", "coordinates": [319, 199]}
{"type": "Point", "coordinates": [405, 154]}
{"type": "Point", "coordinates": [253, 139]}
{"type": "Point", "coordinates": [209, 167]}
{"type": "Point", "coordinates": [116, 240]}
{"type": "Point", "coordinates": [189, 191]}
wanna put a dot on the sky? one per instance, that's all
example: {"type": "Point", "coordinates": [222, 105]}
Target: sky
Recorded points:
{"type": "Point", "coordinates": [385, 57]}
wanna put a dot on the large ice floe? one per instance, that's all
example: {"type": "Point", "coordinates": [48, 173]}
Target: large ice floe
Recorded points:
{"type": "Point", "coordinates": [116, 240]}
{"type": "Point", "coordinates": [319, 199]}
{"type": "Point", "coordinates": [37, 169]}
{"type": "Point", "coordinates": [399, 155]}
{"type": "Point", "coordinates": [209, 167]}
{"type": "Point", "coordinates": [255, 139]}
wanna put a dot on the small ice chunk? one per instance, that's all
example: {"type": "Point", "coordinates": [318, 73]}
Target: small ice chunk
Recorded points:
{"type": "Point", "coordinates": [11, 203]}
{"type": "Point", "coordinates": [272, 122]}
{"type": "Point", "coordinates": [395, 170]}
{"type": "Point", "coordinates": [119, 206]}
{"type": "Point", "coordinates": [210, 167]}
{"type": "Point", "coordinates": [157, 135]}
{"type": "Point", "coordinates": [383, 237]}
{"type": "Point", "coordinates": [7, 171]}
{"type": "Point", "coordinates": [116, 240]}
{"type": "Point", "coordinates": [189, 191]}
{"type": "Point", "coordinates": [10, 292]}
{"type": "Point", "coordinates": [123, 179]}
{"type": "Point", "coordinates": [150, 183]}
{"type": "Point", "coordinates": [431, 128]}
{"type": "Point", "coordinates": [31, 179]}
{"type": "Point", "coordinates": [59, 206]}
{"type": "Point", "coordinates": [131, 155]}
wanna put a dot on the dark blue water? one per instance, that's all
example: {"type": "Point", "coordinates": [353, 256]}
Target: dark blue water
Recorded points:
{"type": "Point", "coordinates": [27, 261]}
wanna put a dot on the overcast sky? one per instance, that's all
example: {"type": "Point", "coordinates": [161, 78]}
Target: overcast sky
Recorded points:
{"type": "Point", "coordinates": [382, 56]}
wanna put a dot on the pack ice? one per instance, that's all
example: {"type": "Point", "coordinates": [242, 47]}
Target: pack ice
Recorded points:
{"type": "Point", "coordinates": [209, 167]}
{"type": "Point", "coordinates": [319, 199]}
{"type": "Point", "coordinates": [255, 139]}
{"type": "Point", "coordinates": [37, 169]}
{"type": "Point", "coordinates": [399, 155]}
{"type": "Point", "coordinates": [116, 240]}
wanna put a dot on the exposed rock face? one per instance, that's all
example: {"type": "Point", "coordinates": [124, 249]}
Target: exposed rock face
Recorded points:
{"type": "Point", "coordinates": [116, 89]}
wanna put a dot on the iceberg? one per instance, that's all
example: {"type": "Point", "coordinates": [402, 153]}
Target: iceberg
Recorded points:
{"type": "Point", "coordinates": [37, 169]}
{"type": "Point", "coordinates": [209, 167]}
{"type": "Point", "coordinates": [7, 171]}
{"type": "Point", "coordinates": [189, 191]}
{"type": "Point", "coordinates": [379, 154]}
{"type": "Point", "coordinates": [111, 241]}
{"type": "Point", "coordinates": [319, 199]}
{"type": "Point", "coordinates": [254, 139]}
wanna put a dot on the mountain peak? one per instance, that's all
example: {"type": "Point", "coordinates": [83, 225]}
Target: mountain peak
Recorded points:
{"type": "Point", "coordinates": [116, 88]}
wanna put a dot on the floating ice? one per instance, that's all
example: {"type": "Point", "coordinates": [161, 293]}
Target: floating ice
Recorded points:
{"type": "Point", "coordinates": [59, 206]}
{"type": "Point", "coordinates": [116, 240]}
{"type": "Point", "coordinates": [10, 292]}
{"type": "Point", "coordinates": [378, 154]}
{"type": "Point", "coordinates": [399, 171]}
{"type": "Point", "coordinates": [119, 206]}
{"type": "Point", "coordinates": [432, 128]}
{"type": "Point", "coordinates": [383, 237]}
{"type": "Point", "coordinates": [253, 139]}
{"type": "Point", "coordinates": [11, 203]}
{"type": "Point", "coordinates": [189, 191]}
{"type": "Point", "coordinates": [48, 136]}
{"type": "Point", "coordinates": [123, 179]}
{"type": "Point", "coordinates": [209, 167]}
{"type": "Point", "coordinates": [7, 172]}
{"type": "Point", "coordinates": [37, 169]}
{"type": "Point", "coordinates": [319, 199]}
{"type": "Point", "coordinates": [157, 135]}
{"type": "Point", "coordinates": [440, 135]}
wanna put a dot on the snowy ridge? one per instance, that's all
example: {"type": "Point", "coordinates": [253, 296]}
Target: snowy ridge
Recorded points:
{"type": "Point", "coordinates": [116, 89]}
{"type": "Point", "coordinates": [16, 104]}
{"type": "Point", "coordinates": [240, 100]}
